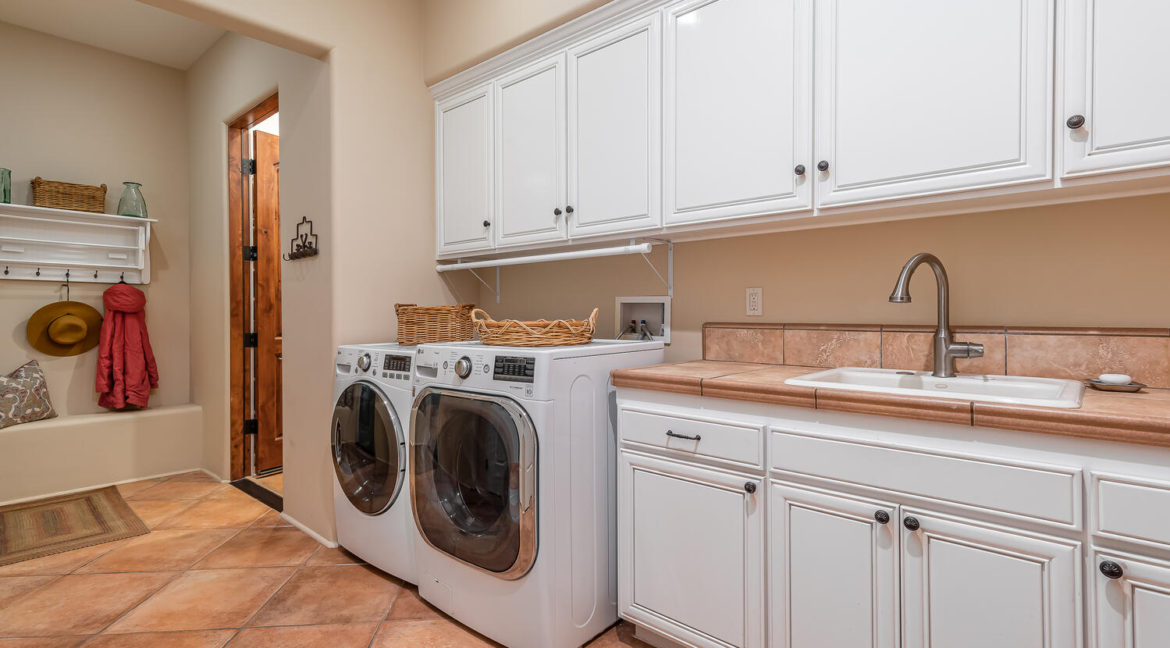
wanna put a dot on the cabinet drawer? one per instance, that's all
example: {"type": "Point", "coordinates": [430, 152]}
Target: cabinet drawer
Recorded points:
{"type": "Point", "coordinates": [1130, 509]}
{"type": "Point", "coordinates": [1038, 491]}
{"type": "Point", "coordinates": [740, 444]}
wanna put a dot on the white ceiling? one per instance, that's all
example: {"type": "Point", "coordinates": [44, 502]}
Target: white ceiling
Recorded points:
{"type": "Point", "coordinates": [124, 26]}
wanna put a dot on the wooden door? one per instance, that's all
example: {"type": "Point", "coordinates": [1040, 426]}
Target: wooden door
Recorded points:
{"type": "Point", "coordinates": [1131, 607]}
{"type": "Point", "coordinates": [464, 172]}
{"type": "Point", "coordinates": [530, 154]}
{"type": "Point", "coordinates": [267, 304]}
{"type": "Point", "coordinates": [967, 585]}
{"type": "Point", "coordinates": [691, 555]}
{"type": "Point", "coordinates": [1116, 112]}
{"type": "Point", "coordinates": [918, 97]}
{"type": "Point", "coordinates": [834, 570]}
{"type": "Point", "coordinates": [737, 97]}
{"type": "Point", "coordinates": [614, 123]}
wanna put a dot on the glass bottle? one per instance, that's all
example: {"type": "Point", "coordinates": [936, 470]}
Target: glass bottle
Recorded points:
{"type": "Point", "coordinates": [5, 186]}
{"type": "Point", "coordinates": [131, 202]}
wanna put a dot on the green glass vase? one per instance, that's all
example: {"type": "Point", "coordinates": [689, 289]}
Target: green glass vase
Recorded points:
{"type": "Point", "coordinates": [132, 203]}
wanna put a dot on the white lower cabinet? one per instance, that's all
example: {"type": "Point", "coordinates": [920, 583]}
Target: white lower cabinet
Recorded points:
{"type": "Point", "coordinates": [1130, 601]}
{"type": "Point", "coordinates": [691, 552]}
{"type": "Point", "coordinates": [967, 585]}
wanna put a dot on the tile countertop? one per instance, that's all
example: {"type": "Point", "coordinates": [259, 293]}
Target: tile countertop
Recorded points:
{"type": "Point", "coordinates": [1135, 418]}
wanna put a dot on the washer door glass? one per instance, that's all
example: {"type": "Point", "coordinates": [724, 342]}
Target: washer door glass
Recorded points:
{"type": "Point", "coordinates": [474, 479]}
{"type": "Point", "coordinates": [368, 448]}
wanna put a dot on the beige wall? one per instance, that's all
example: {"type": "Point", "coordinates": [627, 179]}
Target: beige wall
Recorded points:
{"type": "Point", "coordinates": [461, 33]}
{"type": "Point", "coordinates": [75, 113]}
{"type": "Point", "coordinates": [231, 77]}
{"type": "Point", "coordinates": [1032, 267]}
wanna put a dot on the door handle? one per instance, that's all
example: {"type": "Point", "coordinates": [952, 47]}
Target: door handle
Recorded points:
{"type": "Point", "coordinates": [672, 433]}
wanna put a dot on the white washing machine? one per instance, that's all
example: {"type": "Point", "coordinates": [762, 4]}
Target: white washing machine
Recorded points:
{"type": "Point", "coordinates": [513, 487]}
{"type": "Point", "coordinates": [372, 396]}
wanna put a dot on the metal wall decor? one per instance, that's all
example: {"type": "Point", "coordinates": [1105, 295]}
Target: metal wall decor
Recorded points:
{"type": "Point", "coordinates": [304, 244]}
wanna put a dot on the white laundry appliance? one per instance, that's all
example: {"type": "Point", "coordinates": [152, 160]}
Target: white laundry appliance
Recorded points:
{"type": "Point", "coordinates": [372, 395]}
{"type": "Point", "coordinates": [513, 486]}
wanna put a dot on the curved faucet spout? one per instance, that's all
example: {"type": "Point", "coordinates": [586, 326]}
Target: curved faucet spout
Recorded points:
{"type": "Point", "coordinates": [945, 349]}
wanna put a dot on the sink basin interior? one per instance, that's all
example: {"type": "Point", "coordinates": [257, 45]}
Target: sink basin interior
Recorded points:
{"type": "Point", "coordinates": [1018, 390]}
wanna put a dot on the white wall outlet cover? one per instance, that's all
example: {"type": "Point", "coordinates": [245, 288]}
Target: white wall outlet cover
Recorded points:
{"type": "Point", "coordinates": [755, 301]}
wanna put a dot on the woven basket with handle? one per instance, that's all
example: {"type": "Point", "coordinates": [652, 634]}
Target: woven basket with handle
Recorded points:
{"type": "Point", "coordinates": [421, 324]}
{"type": "Point", "coordinates": [533, 334]}
{"type": "Point", "coordinates": [66, 195]}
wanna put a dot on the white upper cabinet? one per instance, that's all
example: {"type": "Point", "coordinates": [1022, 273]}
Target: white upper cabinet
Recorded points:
{"type": "Point", "coordinates": [530, 153]}
{"type": "Point", "coordinates": [918, 97]}
{"type": "Point", "coordinates": [1116, 108]}
{"type": "Point", "coordinates": [968, 585]}
{"type": "Point", "coordinates": [615, 120]}
{"type": "Point", "coordinates": [463, 168]}
{"type": "Point", "coordinates": [736, 108]}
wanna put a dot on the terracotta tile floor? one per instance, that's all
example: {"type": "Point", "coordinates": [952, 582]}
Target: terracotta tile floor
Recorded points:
{"type": "Point", "coordinates": [220, 569]}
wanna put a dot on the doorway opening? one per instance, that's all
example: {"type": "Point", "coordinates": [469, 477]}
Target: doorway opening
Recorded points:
{"type": "Point", "coordinates": [256, 438]}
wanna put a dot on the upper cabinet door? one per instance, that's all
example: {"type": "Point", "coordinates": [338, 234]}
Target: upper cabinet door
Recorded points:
{"type": "Point", "coordinates": [463, 172]}
{"type": "Point", "coordinates": [1116, 112]}
{"type": "Point", "coordinates": [973, 586]}
{"type": "Point", "coordinates": [530, 153]}
{"type": "Point", "coordinates": [834, 570]}
{"type": "Point", "coordinates": [615, 89]}
{"type": "Point", "coordinates": [737, 108]}
{"type": "Point", "coordinates": [919, 97]}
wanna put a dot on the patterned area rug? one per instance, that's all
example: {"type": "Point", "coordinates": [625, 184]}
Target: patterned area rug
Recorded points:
{"type": "Point", "coordinates": [48, 526]}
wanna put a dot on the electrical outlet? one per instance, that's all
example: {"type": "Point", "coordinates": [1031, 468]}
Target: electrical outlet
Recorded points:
{"type": "Point", "coordinates": [755, 301]}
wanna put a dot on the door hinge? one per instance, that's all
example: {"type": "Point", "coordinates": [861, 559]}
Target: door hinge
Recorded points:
{"type": "Point", "coordinates": [251, 340]}
{"type": "Point", "coordinates": [251, 253]}
{"type": "Point", "coordinates": [248, 167]}
{"type": "Point", "coordinates": [251, 426]}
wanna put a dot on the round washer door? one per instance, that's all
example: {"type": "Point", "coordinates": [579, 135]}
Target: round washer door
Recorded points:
{"type": "Point", "coordinates": [369, 449]}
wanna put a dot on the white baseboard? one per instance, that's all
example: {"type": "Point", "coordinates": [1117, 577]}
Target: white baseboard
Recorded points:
{"type": "Point", "coordinates": [311, 533]}
{"type": "Point", "coordinates": [117, 483]}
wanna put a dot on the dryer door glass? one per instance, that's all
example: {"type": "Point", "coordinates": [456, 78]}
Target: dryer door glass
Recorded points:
{"type": "Point", "coordinates": [368, 448]}
{"type": "Point", "coordinates": [474, 479]}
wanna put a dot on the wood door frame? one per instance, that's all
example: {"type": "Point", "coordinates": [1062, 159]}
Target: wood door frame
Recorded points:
{"type": "Point", "coordinates": [238, 205]}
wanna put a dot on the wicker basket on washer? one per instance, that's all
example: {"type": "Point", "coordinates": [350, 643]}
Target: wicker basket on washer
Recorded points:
{"type": "Point", "coordinates": [421, 324]}
{"type": "Point", "coordinates": [541, 333]}
{"type": "Point", "coordinates": [66, 195]}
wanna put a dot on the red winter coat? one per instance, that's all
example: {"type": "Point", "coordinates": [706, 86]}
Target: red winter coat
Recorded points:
{"type": "Point", "coordinates": [126, 369]}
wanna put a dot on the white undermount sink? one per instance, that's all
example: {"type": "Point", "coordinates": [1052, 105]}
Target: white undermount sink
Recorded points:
{"type": "Point", "coordinates": [1015, 390]}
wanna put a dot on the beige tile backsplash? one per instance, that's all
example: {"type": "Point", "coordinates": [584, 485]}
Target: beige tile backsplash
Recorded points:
{"type": "Point", "coordinates": [1047, 352]}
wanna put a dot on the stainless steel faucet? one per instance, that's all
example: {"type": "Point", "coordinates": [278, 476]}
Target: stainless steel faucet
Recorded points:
{"type": "Point", "coordinates": [945, 348]}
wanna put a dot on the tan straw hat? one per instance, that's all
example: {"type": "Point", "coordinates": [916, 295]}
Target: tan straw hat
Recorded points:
{"type": "Point", "coordinates": [64, 328]}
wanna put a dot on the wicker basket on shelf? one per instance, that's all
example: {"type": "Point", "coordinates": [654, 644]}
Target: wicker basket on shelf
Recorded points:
{"type": "Point", "coordinates": [421, 324]}
{"type": "Point", "coordinates": [66, 195]}
{"type": "Point", "coordinates": [541, 333]}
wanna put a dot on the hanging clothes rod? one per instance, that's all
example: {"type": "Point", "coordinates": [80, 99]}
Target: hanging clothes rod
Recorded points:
{"type": "Point", "coordinates": [634, 248]}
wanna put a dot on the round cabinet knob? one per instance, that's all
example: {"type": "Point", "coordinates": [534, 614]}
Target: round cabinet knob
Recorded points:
{"type": "Point", "coordinates": [557, 211]}
{"type": "Point", "coordinates": [363, 362]}
{"type": "Point", "coordinates": [911, 523]}
{"type": "Point", "coordinates": [1111, 569]}
{"type": "Point", "coordinates": [569, 209]}
{"type": "Point", "coordinates": [799, 170]}
{"type": "Point", "coordinates": [882, 517]}
{"type": "Point", "coordinates": [750, 487]}
{"type": "Point", "coordinates": [463, 367]}
{"type": "Point", "coordinates": [1076, 121]}
{"type": "Point", "coordinates": [487, 223]}
{"type": "Point", "coordinates": [823, 165]}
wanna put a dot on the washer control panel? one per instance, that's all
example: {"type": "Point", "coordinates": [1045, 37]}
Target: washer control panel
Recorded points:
{"type": "Point", "coordinates": [385, 366]}
{"type": "Point", "coordinates": [515, 369]}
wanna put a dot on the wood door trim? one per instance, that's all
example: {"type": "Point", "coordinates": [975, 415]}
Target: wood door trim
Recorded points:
{"type": "Point", "coordinates": [257, 114]}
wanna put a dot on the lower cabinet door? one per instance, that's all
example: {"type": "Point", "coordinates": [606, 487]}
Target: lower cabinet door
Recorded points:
{"type": "Point", "coordinates": [968, 585]}
{"type": "Point", "coordinates": [690, 552]}
{"type": "Point", "coordinates": [1131, 601]}
{"type": "Point", "coordinates": [834, 570]}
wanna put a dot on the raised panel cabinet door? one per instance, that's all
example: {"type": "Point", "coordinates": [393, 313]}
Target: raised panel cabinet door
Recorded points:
{"type": "Point", "coordinates": [690, 552]}
{"type": "Point", "coordinates": [1131, 601]}
{"type": "Point", "coordinates": [968, 585]}
{"type": "Point", "coordinates": [919, 97]}
{"type": "Point", "coordinates": [530, 153]}
{"type": "Point", "coordinates": [1116, 107]}
{"type": "Point", "coordinates": [834, 570]}
{"type": "Point", "coordinates": [463, 172]}
{"type": "Point", "coordinates": [615, 118]}
{"type": "Point", "coordinates": [737, 102]}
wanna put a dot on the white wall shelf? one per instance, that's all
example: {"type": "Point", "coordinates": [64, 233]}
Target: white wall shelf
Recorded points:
{"type": "Point", "coordinates": [43, 244]}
